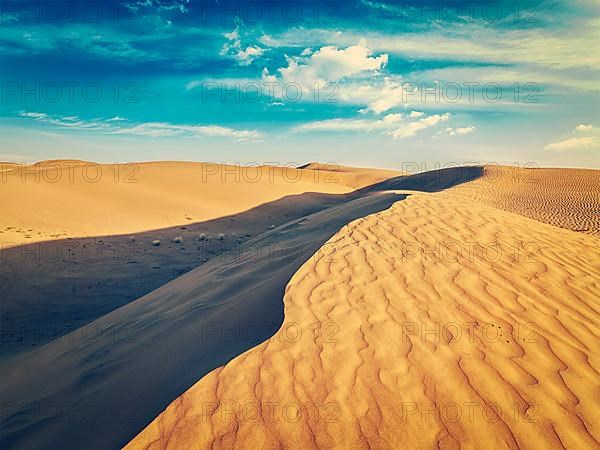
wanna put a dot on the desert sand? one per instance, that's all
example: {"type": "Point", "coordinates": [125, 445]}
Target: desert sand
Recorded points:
{"type": "Point", "coordinates": [353, 176]}
{"type": "Point", "coordinates": [423, 311]}
{"type": "Point", "coordinates": [567, 198]}
{"type": "Point", "coordinates": [441, 322]}
{"type": "Point", "coordinates": [71, 198]}
{"type": "Point", "coordinates": [129, 364]}
{"type": "Point", "coordinates": [66, 259]}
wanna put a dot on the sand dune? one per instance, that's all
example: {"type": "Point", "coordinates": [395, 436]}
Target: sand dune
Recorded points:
{"type": "Point", "coordinates": [51, 288]}
{"type": "Point", "coordinates": [130, 364]}
{"type": "Point", "coordinates": [71, 198]}
{"type": "Point", "coordinates": [59, 273]}
{"type": "Point", "coordinates": [440, 322]}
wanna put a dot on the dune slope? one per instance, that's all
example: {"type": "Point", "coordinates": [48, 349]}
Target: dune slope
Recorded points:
{"type": "Point", "coordinates": [439, 322]}
{"type": "Point", "coordinates": [102, 383]}
{"type": "Point", "coordinates": [51, 288]}
{"type": "Point", "coordinates": [62, 266]}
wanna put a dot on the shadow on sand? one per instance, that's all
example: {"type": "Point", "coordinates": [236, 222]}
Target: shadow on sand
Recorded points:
{"type": "Point", "coordinates": [103, 383]}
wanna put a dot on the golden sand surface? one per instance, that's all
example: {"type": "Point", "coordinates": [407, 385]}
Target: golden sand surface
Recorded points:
{"type": "Point", "coordinates": [441, 322]}
{"type": "Point", "coordinates": [567, 198]}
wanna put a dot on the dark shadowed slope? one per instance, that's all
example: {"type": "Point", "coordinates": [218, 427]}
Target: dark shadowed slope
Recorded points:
{"type": "Point", "coordinates": [107, 387]}
{"type": "Point", "coordinates": [49, 289]}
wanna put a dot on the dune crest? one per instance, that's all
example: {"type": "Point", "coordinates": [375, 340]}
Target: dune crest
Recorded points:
{"type": "Point", "coordinates": [354, 176]}
{"type": "Point", "coordinates": [135, 360]}
{"type": "Point", "coordinates": [439, 322]}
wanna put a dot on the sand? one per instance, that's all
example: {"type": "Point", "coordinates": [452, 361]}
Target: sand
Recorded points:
{"type": "Point", "coordinates": [440, 322]}
{"type": "Point", "coordinates": [566, 198]}
{"type": "Point", "coordinates": [356, 177]}
{"type": "Point", "coordinates": [106, 381]}
{"type": "Point", "coordinates": [70, 198]}
{"type": "Point", "coordinates": [425, 311]}
{"type": "Point", "coordinates": [63, 265]}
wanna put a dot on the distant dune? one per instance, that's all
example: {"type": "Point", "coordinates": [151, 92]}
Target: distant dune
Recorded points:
{"type": "Point", "coordinates": [63, 163]}
{"type": "Point", "coordinates": [71, 198]}
{"type": "Point", "coordinates": [356, 177]}
{"type": "Point", "coordinates": [567, 198]}
{"type": "Point", "coordinates": [441, 322]}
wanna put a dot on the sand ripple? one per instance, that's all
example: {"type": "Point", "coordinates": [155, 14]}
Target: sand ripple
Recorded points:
{"type": "Point", "coordinates": [440, 322]}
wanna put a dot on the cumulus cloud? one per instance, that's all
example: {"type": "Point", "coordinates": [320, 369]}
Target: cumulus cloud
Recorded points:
{"type": "Point", "coordinates": [149, 129]}
{"type": "Point", "coordinates": [329, 64]}
{"type": "Point", "coordinates": [379, 96]}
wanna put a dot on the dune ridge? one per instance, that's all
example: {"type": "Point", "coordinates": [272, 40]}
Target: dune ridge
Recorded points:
{"type": "Point", "coordinates": [79, 239]}
{"type": "Point", "coordinates": [132, 362]}
{"type": "Point", "coordinates": [354, 176]}
{"type": "Point", "coordinates": [440, 322]}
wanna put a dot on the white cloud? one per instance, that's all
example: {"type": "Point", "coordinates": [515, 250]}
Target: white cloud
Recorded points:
{"type": "Point", "coordinates": [150, 129]}
{"type": "Point", "coordinates": [413, 128]}
{"type": "Point", "coordinates": [575, 143]}
{"type": "Point", "coordinates": [66, 121]}
{"type": "Point", "coordinates": [33, 115]}
{"type": "Point", "coordinates": [329, 64]}
{"type": "Point", "coordinates": [578, 142]}
{"type": "Point", "coordinates": [234, 48]}
{"type": "Point", "coordinates": [460, 130]}
{"type": "Point", "coordinates": [385, 97]}
{"type": "Point", "coordinates": [160, 6]}
{"type": "Point", "coordinates": [584, 127]}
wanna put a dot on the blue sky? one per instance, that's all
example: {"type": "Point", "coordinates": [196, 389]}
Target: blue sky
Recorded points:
{"type": "Point", "coordinates": [367, 82]}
